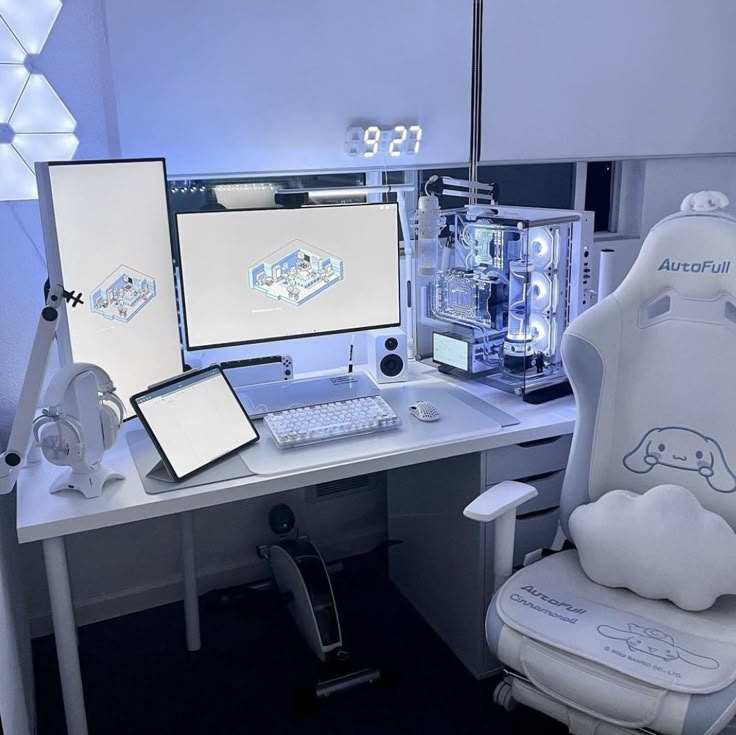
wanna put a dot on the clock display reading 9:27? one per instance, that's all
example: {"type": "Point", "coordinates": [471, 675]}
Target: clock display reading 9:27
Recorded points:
{"type": "Point", "coordinates": [397, 141]}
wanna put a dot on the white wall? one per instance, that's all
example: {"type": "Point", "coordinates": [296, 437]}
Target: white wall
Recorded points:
{"type": "Point", "coordinates": [668, 181]}
{"type": "Point", "coordinates": [227, 87]}
{"type": "Point", "coordinates": [578, 80]}
{"type": "Point", "coordinates": [653, 189]}
{"type": "Point", "coordinates": [74, 61]}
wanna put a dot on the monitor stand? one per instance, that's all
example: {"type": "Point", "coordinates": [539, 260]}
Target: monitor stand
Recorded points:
{"type": "Point", "coordinates": [263, 398]}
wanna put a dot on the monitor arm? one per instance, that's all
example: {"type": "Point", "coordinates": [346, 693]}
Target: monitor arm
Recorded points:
{"type": "Point", "coordinates": [11, 460]}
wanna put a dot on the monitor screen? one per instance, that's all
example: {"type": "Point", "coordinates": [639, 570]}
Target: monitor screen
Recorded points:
{"type": "Point", "coordinates": [107, 236]}
{"type": "Point", "coordinates": [260, 275]}
{"type": "Point", "coordinates": [194, 420]}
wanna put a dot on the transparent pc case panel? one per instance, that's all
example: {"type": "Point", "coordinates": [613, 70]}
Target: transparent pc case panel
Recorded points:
{"type": "Point", "coordinates": [503, 288]}
{"type": "Point", "coordinates": [537, 307]}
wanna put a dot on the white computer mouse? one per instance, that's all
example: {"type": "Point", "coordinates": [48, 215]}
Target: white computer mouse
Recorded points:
{"type": "Point", "coordinates": [424, 411]}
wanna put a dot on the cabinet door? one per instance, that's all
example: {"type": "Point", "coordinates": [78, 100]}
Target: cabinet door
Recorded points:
{"type": "Point", "coordinates": [579, 80]}
{"type": "Point", "coordinates": [273, 85]}
{"type": "Point", "coordinates": [440, 564]}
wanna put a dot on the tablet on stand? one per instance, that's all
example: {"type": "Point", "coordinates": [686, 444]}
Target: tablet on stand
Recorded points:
{"type": "Point", "coordinates": [194, 420]}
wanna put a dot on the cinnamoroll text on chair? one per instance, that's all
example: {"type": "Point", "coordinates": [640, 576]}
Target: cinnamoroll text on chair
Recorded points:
{"type": "Point", "coordinates": [651, 366]}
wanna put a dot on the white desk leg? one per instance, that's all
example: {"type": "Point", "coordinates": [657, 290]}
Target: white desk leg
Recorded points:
{"type": "Point", "coordinates": [14, 712]}
{"type": "Point", "coordinates": [65, 633]}
{"type": "Point", "coordinates": [189, 567]}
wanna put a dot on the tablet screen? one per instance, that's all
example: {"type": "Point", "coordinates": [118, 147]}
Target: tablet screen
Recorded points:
{"type": "Point", "coordinates": [194, 420]}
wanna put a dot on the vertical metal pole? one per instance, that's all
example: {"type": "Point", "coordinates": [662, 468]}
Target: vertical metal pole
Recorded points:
{"type": "Point", "coordinates": [476, 95]}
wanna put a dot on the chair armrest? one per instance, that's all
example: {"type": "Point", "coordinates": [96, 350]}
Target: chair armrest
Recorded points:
{"type": "Point", "coordinates": [499, 499]}
{"type": "Point", "coordinates": [499, 503]}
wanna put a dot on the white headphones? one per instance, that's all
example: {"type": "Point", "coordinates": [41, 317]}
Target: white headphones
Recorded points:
{"type": "Point", "coordinates": [60, 435]}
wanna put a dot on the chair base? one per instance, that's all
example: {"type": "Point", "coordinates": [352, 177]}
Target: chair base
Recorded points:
{"type": "Point", "coordinates": [515, 689]}
{"type": "Point", "coordinates": [503, 696]}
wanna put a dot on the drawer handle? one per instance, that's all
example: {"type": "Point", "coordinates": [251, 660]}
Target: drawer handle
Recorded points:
{"type": "Point", "coordinates": [537, 478]}
{"type": "Point", "coordinates": [539, 442]}
{"type": "Point", "coordinates": [537, 513]}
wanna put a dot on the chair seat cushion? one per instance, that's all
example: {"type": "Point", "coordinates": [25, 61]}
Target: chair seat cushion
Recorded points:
{"type": "Point", "coordinates": [555, 603]}
{"type": "Point", "coordinates": [626, 659]}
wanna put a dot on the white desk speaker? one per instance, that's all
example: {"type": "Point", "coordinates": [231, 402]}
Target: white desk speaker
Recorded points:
{"type": "Point", "coordinates": [387, 356]}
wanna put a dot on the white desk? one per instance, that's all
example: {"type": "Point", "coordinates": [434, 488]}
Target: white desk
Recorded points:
{"type": "Point", "coordinates": [461, 430]}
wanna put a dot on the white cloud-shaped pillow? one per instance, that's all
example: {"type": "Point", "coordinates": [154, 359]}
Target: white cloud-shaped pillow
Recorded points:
{"type": "Point", "coordinates": [662, 545]}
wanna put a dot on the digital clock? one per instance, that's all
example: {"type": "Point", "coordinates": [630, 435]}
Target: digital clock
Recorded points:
{"type": "Point", "coordinates": [396, 141]}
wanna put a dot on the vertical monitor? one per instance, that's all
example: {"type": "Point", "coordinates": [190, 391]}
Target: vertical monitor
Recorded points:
{"type": "Point", "coordinates": [271, 274]}
{"type": "Point", "coordinates": [107, 235]}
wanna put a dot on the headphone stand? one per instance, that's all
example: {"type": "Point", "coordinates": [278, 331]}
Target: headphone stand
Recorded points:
{"type": "Point", "coordinates": [78, 427]}
{"type": "Point", "coordinates": [90, 484]}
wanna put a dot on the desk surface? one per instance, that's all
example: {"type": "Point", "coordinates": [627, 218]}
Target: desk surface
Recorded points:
{"type": "Point", "coordinates": [461, 430]}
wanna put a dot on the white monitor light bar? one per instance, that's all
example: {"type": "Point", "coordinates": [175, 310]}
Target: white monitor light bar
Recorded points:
{"type": "Point", "coordinates": [349, 191]}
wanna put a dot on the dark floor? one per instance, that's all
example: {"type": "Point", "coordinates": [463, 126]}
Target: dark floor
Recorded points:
{"type": "Point", "coordinates": [253, 674]}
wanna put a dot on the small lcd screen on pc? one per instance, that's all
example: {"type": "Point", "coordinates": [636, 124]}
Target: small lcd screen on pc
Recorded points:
{"type": "Point", "coordinates": [260, 275]}
{"type": "Point", "coordinates": [450, 350]}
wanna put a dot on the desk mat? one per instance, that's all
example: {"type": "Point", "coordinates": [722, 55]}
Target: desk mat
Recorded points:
{"type": "Point", "coordinates": [488, 409]}
{"type": "Point", "coordinates": [458, 421]}
{"type": "Point", "coordinates": [146, 457]}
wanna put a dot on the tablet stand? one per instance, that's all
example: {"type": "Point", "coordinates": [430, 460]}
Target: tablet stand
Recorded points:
{"type": "Point", "coordinates": [155, 477]}
{"type": "Point", "coordinates": [160, 472]}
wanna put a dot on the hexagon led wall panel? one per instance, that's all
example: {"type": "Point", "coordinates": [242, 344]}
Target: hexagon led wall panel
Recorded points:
{"type": "Point", "coordinates": [35, 124]}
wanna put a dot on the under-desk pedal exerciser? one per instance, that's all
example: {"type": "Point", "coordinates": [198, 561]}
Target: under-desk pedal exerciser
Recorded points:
{"type": "Point", "coordinates": [302, 579]}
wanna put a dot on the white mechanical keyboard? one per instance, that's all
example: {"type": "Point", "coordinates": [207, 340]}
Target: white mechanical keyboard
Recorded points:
{"type": "Point", "coordinates": [297, 426]}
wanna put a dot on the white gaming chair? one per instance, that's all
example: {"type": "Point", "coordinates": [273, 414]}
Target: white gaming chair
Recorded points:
{"type": "Point", "coordinates": [653, 369]}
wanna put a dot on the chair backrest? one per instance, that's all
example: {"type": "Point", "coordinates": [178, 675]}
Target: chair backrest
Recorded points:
{"type": "Point", "coordinates": [653, 369]}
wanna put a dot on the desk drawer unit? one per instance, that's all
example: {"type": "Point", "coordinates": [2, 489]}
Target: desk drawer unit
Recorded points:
{"type": "Point", "coordinates": [549, 487]}
{"type": "Point", "coordinates": [519, 461]}
{"type": "Point", "coordinates": [533, 532]}
{"type": "Point", "coordinates": [444, 565]}
{"type": "Point", "coordinates": [536, 521]}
